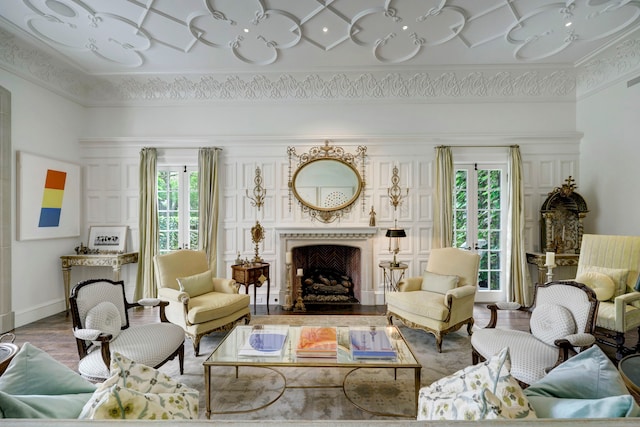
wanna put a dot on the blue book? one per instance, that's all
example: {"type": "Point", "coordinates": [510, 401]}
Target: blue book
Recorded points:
{"type": "Point", "coordinates": [371, 343]}
{"type": "Point", "coordinates": [265, 341]}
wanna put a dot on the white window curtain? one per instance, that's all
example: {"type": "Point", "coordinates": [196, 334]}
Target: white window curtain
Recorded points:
{"type": "Point", "coordinates": [443, 199]}
{"type": "Point", "coordinates": [208, 204]}
{"type": "Point", "coordinates": [517, 271]}
{"type": "Point", "coordinates": [148, 225]}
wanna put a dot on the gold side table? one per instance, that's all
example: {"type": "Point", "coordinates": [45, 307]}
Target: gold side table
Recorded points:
{"type": "Point", "coordinates": [113, 260]}
{"type": "Point", "coordinates": [392, 274]}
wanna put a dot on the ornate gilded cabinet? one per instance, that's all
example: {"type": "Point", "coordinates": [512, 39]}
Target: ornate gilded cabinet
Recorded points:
{"type": "Point", "coordinates": [562, 216]}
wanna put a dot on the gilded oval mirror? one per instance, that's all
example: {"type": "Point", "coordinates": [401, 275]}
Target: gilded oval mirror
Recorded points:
{"type": "Point", "coordinates": [326, 181]}
{"type": "Point", "coordinates": [326, 184]}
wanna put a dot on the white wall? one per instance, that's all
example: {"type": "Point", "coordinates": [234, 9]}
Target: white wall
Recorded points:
{"type": "Point", "coordinates": [609, 159]}
{"type": "Point", "coordinates": [49, 125]}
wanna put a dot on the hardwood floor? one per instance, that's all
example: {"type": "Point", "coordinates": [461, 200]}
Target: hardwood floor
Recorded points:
{"type": "Point", "coordinates": [53, 334]}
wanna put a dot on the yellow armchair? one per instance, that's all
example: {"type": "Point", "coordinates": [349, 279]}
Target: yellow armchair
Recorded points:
{"type": "Point", "coordinates": [613, 260]}
{"type": "Point", "coordinates": [441, 301]}
{"type": "Point", "coordinates": [198, 302]}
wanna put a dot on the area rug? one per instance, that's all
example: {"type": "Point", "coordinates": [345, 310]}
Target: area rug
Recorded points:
{"type": "Point", "coordinates": [375, 390]}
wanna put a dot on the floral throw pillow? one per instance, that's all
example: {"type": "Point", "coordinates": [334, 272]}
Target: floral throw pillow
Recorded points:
{"type": "Point", "coordinates": [483, 391]}
{"type": "Point", "coordinates": [136, 391]}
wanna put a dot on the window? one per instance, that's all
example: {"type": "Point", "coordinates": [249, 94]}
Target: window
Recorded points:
{"type": "Point", "coordinates": [480, 222]}
{"type": "Point", "coordinates": [177, 208]}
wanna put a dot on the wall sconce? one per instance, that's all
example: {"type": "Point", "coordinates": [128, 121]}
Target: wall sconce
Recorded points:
{"type": "Point", "coordinates": [395, 234]}
{"type": "Point", "coordinates": [257, 231]}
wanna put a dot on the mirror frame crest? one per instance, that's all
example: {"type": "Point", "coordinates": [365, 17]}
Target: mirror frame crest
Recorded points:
{"type": "Point", "coordinates": [355, 161]}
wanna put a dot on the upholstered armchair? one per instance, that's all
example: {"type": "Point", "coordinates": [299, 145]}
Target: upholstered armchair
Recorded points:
{"type": "Point", "coordinates": [99, 311]}
{"type": "Point", "coordinates": [561, 325]}
{"type": "Point", "coordinates": [610, 265]}
{"type": "Point", "coordinates": [198, 302]}
{"type": "Point", "coordinates": [440, 301]}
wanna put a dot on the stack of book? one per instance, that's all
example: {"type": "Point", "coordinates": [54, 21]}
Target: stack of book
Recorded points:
{"type": "Point", "coordinates": [372, 343]}
{"type": "Point", "coordinates": [317, 341]}
{"type": "Point", "coordinates": [265, 340]}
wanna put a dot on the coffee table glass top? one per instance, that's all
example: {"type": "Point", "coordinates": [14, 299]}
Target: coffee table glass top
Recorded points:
{"type": "Point", "coordinates": [227, 350]}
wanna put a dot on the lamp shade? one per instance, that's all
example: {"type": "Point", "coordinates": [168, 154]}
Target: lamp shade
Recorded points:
{"type": "Point", "coordinates": [396, 232]}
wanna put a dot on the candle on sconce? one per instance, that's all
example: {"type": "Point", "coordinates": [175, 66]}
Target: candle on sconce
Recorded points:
{"type": "Point", "coordinates": [288, 258]}
{"type": "Point", "coordinates": [299, 272]}
{"type": "Point", "coordinates": [550, 259]}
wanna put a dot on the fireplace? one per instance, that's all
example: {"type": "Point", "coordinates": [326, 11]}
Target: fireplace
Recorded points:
{"type": "Point", "coordinates": [339, 251]}
{"type": "Point", "coordinates": [331, 273]}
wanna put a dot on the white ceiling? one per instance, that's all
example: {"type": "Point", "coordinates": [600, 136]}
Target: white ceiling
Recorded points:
{"type": "Point", "coordinates": [207, 36]}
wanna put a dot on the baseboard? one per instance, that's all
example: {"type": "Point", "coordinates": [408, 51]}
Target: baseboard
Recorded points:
{"type": "Point", "coordinates": [7, 322]}
{"type": "Point", "coordinates": [39, 312]}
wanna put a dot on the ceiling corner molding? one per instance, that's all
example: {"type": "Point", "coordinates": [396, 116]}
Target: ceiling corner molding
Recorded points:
{"type": "Point", "coordinates": [40, 68]}
{"type": "Point", "coordinates": [611, 66]}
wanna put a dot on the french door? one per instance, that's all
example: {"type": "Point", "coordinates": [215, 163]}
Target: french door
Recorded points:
{"type": "Point", "coordinates": [480, 223]}
{"type": "Point", "coordinates": [177, 208]}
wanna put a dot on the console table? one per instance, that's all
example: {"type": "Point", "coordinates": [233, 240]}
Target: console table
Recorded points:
{"type": "Point", "coordinates": [253, 274]}
{"type": "Point", "coordinates": [114, 260]}
{"type": "Point", "coordinates": [566, 266]}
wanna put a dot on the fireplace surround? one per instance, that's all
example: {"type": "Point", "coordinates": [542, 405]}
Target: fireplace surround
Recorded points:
{"type": "Point", "coordinates": [359, 239]}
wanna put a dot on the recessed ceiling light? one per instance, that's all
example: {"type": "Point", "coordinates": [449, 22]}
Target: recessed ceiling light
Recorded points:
{"type": "Point", "coordinates": [246, 30]}
{"type": "Point", "coordinates": [325, 29]}
{"type": "Point", "coordinates": [568, 24]}
{"type": "Point", "coordinates": [404, 28]}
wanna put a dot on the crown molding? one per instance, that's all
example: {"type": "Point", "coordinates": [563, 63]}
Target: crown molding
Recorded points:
{"type": "Point", "coordinates": [434, 85]}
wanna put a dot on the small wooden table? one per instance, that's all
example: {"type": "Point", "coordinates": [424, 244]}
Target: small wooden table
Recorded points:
{"type": "Point", "coordinates": [253, 274]}
{"type": "Point", "coordinates": [114, 260]}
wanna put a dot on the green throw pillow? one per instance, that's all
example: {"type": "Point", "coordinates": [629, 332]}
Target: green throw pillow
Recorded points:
{"type": "Point", "coordinates": [35, 385]}
{"type": "Point", "coordinates": [196, 285]}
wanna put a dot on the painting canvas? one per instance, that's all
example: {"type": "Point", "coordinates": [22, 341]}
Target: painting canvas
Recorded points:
{"type": "Point", "coordinates": [48, 193]}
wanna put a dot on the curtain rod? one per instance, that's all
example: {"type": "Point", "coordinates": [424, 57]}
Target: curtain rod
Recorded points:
{"type": "Point", "coordinates": [182, 148]}
{"type": "Point", "coordinates": [479, 146]}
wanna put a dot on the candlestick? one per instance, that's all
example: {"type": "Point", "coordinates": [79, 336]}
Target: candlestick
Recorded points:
{"type": "Point", "coordinates": [299, 272]}
{"type": "Point", "coordinates": [287, 297]}
{"type": "Point", "coordinates": [288, 258]}
{"type": "Point", "coordinates": [299, 301]}
{"type": "Point", "coordinates": [550, 260]}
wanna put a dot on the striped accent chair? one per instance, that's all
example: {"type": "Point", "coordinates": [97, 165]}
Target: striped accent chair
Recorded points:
{"type": "Point", "coordinates": [561, 325]}
{"type": "Point", "coordinates": [99, 311]}
{"type": "Point", "coordinates": [616, 260]}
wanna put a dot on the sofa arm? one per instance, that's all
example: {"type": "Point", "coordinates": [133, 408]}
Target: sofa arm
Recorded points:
{"type": "Point", "coordinates": [172, 295]}
{"type": "Point", "coordinates": [225, 286]}
{"type": "Point", "coordinates": [620, 305]}
{"type": "Point", "coordinates": [410, 284]}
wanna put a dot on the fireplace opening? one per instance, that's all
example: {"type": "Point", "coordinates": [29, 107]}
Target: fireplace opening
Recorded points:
{"type": "Point", "coordinates": [331, 273]}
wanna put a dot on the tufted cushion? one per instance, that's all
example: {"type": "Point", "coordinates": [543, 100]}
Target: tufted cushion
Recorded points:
{"type": "Point", "coordinates": [136, 391]}
{"type": "Point", "coordinates": [439, 283]}
{"type": "Point", "coordinates": [550, 322]}
{"type": "Point", "coordinates": [104, 317]}
{"type": "Point", "coordinates": [196, 285]}
{"type": "Point", "coordinates": [601, 284]}
{"type": "Point", "coordinates": [482, 391]}
{"type": "Point", "coordinates": [618, 275]}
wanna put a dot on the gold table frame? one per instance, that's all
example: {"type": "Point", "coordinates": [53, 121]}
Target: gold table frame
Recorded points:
{"type": "Point", "coordinates": [226, 354]}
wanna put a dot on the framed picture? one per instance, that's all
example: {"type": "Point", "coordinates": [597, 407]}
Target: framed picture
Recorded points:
{"type": "Point", "coordinates": [48, 197]}
{"type": "Point", "coordinates": [108, 238]}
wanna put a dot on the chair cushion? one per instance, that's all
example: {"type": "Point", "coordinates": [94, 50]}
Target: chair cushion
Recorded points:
{"type": "Point", "coordinates": [482, 391]}
{"type": "Point", "coordinates": [587, 385]}
{"type": "Point", "coordinates": [215, 305]}
{"type": "Point", "coordinates": [419, 303]}
{"type": "Point", "coordinates": [529, 356]}
{"type": "Point", "coordinates": [196, 285]}
{"type": "Point", "coordinates": [439, 283]}
{"type": "Point", "coordinates": [136, 391]}
{"type": "Point", "coordinates": [602, 285]}
{"type": "Point", "coordinates": [104, 317]}
{"type": "Point", "coordinates": [35, 385]}
{"type": "Point", "coordinates": [618, 275]}
{"type": "Point", "coordinates": [550, 322]}
{"type": "Point", "coordinates": [148, 344]}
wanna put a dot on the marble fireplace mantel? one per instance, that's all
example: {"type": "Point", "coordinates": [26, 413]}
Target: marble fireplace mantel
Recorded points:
{"type": "Point", "coordinates": [360, 237]}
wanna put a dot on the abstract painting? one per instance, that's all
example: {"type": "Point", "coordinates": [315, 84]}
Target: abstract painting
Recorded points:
{"type": "Point", "coordinates": [48, 204]}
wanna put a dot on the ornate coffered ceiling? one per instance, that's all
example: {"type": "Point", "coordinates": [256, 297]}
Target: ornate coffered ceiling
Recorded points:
{"type": "Point", "coordinates": [223, 47]}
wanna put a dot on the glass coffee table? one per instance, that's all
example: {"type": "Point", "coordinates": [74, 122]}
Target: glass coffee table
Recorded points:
{"type": "Point", "coordinates": [226, 354]}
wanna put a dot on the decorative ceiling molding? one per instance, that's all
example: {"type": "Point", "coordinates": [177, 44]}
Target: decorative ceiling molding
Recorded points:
{"type": "Point", "coordinates": [609, 67]}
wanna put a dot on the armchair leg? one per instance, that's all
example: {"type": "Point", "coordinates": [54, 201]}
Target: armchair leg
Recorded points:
{"type": "Point", "coordinates": [439, 343]}
{"type": "Point", "coordinates": [181, 359]}
{"type": "Point", "coordinates": [196, 346]}
{"type": "Point", "coordinates": [470, 326]}
{"type": "Point", "coordinates": [620, 350]}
